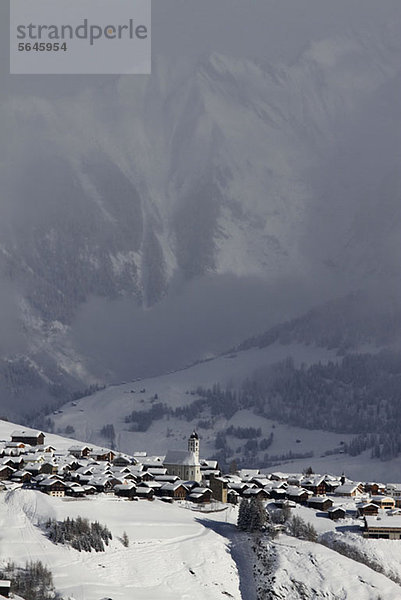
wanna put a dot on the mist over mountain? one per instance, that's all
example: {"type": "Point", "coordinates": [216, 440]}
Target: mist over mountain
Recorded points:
{"type": "Point", "coordinates": [146, 222]}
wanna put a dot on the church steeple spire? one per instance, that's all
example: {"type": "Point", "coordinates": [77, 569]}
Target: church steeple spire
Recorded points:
{"type": "Point", "coordinates": [193, 444]}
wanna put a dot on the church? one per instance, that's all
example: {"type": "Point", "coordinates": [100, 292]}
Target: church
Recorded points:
{"type": "Point", "coordinates": [185, 463]}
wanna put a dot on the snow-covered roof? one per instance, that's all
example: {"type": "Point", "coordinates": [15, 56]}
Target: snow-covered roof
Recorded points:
{"type": "Point", "coordinates": [384, 522]}
{"type": "Point", "coordinates": [172, 486]}
{"type": "Point", "coordinates": [248, 473]}
{"type": "Point", "coordinates": [297, 491]}
{"type": "Point", "coordinates": [382, 499]}
{"type": "Point", "coordinates": [319, 499]}
{"type": "Point", "coordinates": [346, 488]}
{"type": "Point", "coordinates": [26, 433]}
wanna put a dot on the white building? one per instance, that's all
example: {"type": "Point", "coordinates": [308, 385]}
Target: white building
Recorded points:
{"type": "Point", "coordinates": [185, 463]}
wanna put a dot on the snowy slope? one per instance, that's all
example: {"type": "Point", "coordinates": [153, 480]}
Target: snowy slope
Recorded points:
{"type": "Point", "coordinates": [171, 555]}
{"type": "Point", "coordinates": [311, 571]}
{"type": "Point", "coordinates": [113, 404]}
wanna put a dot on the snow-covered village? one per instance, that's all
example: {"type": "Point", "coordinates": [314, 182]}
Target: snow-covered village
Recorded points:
{"type": "Point", "coordinates": [205, 532]}
{"type": "Point", "coordinates": [200, 300]}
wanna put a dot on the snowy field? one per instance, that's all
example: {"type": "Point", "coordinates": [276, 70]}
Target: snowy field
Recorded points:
{"type": "Point", "coordinates": [171, 555]}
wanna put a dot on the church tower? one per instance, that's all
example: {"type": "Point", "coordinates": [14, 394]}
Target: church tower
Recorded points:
{"type": "Point", "coordinates": [193, 444]}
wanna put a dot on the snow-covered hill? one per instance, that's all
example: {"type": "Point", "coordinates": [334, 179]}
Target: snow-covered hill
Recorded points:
{"type": "Point", "coordinates": [170, 555]}
{"type": "Point", "coordinates": [110, 406]}
{"type": "Point", "coordinates": [180, 551]}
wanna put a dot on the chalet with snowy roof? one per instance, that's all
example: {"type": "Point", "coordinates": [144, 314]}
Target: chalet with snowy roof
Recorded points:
{"type": "Point", "coordinates": [102, 455]}
{"type": "Point", "coordinates": [298, 494]}
{"type": "Point", "coordinates": [385, 502]}
{"type": "Point", "coordinates": [315, 484]}
{"type": "Point", "coordinates": [383, 527]}
{"type": "Point", "coordinates": [28, 436]}
{"type": "Point", "coordinates": [16, 462]}
{"type": "Point", "coordinates": [122, 460]}
{"type": "Point", "coordinates": [5, 587]}
{"type": "Point", "coordinates": [277, 493]}
{"type": "Point", "coordinates": [167, 478]}
{"type": "Point", "coordinates": [255, 492]}
{"type": "Point", "coordinates": [350, 489]}
{"type": "Point", "coordinates": [336, 512]}
{"type": "Point", "coordinates": [75, 490]}
{"type": "Point", "coordinates": [53, 487]}
{"type": "Point", "coordinates": [248, 474]}
{"type": "Point", "coordinates": [127, 490]}
{"type": "Point", "coordinates": [185, 463]}
{"type": "Point", "coordinates": [80, 451]}
{"type": "Point", "coordinates": [320, 502]}
{"type": "Point", "coordinates": [394, 490]}
{"type": "Point", "coordinates": [6, 472]}
{"type": "Point", "coordinates": [331, 484]}
{"type": "Point", "coordinates": [200, 495]}
{"type": "Point", "coordinates": [238, 487]}
{"type": "Point", "coordinates": [367, 508]}
{"type": "Point", "coordinates": [21, 476]}
{"type": "Point", "coordinates": [375, 488]}
{"type": "Point", "coordinates": [177, 490]}
{"type": "Point", "coordinates": [260, 481]}
{"type": "Point", "coordinates": [146, 493]}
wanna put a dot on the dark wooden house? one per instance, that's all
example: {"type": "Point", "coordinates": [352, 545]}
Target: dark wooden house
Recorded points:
{"type": "Point", "coordinates": [28, 436]}
{"type": "Point", "coordinates": [5, 588]}
{"type": "Point", "coordinates": [177, 491]}
{"type": "Point", "coordinates": [336, 512]}
{"type": "Point", "coordinates": [320, 502]}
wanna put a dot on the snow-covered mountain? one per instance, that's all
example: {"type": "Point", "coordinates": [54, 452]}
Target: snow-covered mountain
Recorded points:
{"type": "Point", "coordinates": [224, 167]}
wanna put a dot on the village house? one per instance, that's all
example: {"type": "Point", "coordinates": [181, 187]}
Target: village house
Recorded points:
{"type": "Point", "coordinates": [383, 527]}
{"type": "Point", "coordinates": [336, 512]}
{"type": "Point", "coordinates": [385, 502]}
{"type": "Point", "coordinates": [394, 490]}
{"type": "Point", "coordinates": [127, 490]}
{"type": "Point", "coordinates": [320, 502]}
{"type": "Point", "coordinates": [146, 493]}
{"type": "Point", "coordinates": [255, 492]}
{"type": "Point", "coordinates": [367, 509]}
{"type": "Point", "coordinates": [200, 495]}
{"type": "Point", "coordinates": [102, 455]}
{"type": "Point", "coordinates": [297, 494]}
{"type": "Point", "coordinates": [53, 487]}
{"type": "Point", "coordinates": [315, 484]}
{"type": "Point", "coordinates": [375, 488]}
{"type": "Point", "coordinates": [177, 490]}
{"type": "Point", "coordinates": [351, 490]}
{"type": "Point", "coordinates": [28, 436]}
{"type": "Point", "coordinates": [80, 451]}
{"type": "Point", "coordinates": [6, 472]}
{"type": "Point", "coordinates": [219, 488]}
{"type": "Point", "coordinates": [5, 587]}
{"type": "Point", "coordinates": [121, 460]}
